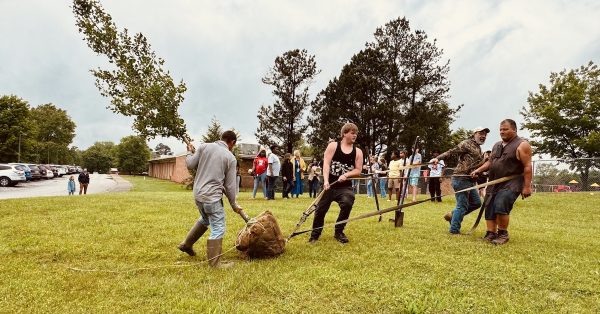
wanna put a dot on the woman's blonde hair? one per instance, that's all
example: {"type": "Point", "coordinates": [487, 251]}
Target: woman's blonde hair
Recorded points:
{"type": "Point", "coordinates": [297, 153]}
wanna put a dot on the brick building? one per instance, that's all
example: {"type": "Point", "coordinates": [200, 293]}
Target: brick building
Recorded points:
{"type": "Point", "coordinates": [169, 168]}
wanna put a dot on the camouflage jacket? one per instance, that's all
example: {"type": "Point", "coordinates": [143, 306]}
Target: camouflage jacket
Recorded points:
{"type": "Point", "coordinates": [469, 156]}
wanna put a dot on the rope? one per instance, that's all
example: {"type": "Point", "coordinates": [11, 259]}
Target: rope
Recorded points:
{"type": "Point", "coordinates": [395, 208]}
{"type": "Point", "coordinates": [368, 177]}
{"type": "Point", "coordinates": [146, 268]}
{"type": "Point", "coordinates": [311, 209]}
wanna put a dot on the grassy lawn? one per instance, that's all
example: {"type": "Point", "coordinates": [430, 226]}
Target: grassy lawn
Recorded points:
{"type": "Point", "coordinates": [550, 265]}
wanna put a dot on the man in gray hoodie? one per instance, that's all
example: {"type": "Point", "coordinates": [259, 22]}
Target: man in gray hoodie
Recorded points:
{"type": "Point", "coordinates": [215, 173]}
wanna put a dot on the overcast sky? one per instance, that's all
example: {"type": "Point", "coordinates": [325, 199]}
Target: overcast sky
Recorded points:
{"type": "Point", "coordinates": [498, 51]}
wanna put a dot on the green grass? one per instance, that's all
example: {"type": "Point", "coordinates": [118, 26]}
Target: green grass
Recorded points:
{"type": "Point", "coordinates": [550, 265]}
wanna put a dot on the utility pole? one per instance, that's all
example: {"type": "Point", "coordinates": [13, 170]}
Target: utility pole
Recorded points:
{"type": "Point", "coordinates": [19, 158]}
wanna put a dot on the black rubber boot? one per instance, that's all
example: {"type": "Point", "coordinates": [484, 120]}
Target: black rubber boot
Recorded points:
{"type": "Point", "coordinates": [213, 254]}
{"type": "Point", "coordinates": [193, 235]}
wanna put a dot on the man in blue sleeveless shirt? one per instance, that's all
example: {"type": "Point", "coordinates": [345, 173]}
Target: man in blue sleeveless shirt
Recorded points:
{"type": "Point", "coordinates": [342, 160]}
{"type": "Point", "coordinates": [511, 156]}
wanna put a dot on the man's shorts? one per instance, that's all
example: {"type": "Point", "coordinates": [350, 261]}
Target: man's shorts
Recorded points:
{"type": "Point", "coordinates": [394, 183]}
{"type": "Point", "coordinates": [499, 203]}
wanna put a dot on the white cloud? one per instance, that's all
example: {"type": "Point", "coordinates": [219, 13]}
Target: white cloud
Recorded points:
{"type": "Point", "coordinates": [499, 50]}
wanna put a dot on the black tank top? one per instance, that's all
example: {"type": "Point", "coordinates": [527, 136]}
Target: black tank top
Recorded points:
{"type": "Point", "coordinates": [504, 163]}
{"type": "Point", "coordinates": [340, 164]}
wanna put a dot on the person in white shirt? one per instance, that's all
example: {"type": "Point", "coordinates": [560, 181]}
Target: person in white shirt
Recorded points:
{"type": "Point", "coordinates": [415, 174]}
{"type": "Point", "coordinates": [273, 171]}
{"type": "Point", "coordinates": [435, 172]}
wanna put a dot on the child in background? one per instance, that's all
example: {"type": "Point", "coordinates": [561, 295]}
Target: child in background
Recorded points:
{"type": "Point", "coordinates": [71, 185]}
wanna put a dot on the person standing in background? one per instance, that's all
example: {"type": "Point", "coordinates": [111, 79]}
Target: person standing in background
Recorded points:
{"type": "Point", "coordinates": [415, 174]}
{"type": "Point", "coordinates": [84, 181]}
{"type": "Point", "coordinates": [299, 167]}
{"type": "Point", "coordinates": [435, 172]}
{"type": "Point", "coordinates": [273, 171]}
{"type": "Point", "coordinates": [313, 178]}
{"type": "Point", "coordinates": [259, 170]}
{"type": "Point", "coordinates": [287, 175]}
{"type": "Point", "coordinates": [71, 185]}
{"type": "Point", "coordinates": [382, 177]}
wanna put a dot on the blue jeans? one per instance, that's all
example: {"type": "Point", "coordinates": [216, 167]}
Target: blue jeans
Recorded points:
{"type": "Point", "coordinates": [383, 186]}
{"type": "Point", "coordinates": [466, 202]}
{"type": "Point", "coordinates": [260, 178]}
{"type": "Point", "coordinates": [369, 188]}
{"type": "Point", "coordinates": [213, 215]}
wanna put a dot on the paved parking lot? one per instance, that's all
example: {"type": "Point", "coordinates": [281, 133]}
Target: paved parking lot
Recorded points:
{"type": "Point", "coordinates": [99, 183]}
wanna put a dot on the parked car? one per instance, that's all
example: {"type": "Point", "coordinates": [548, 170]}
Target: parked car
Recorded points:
{"type": "Point", "coordinates": [10, 175]}
{"type": "Point", "coordinates": [36, 174]}
{"type": "Point", "coordinates": [25, 168]}
{"type": "Point", "coordinates": [46, 172]}
{"type": "Point", "coordinates": [60, 170]}
{"type": "Point", "coordinates": [53, 170]}
{"type": "Point", "coordinates": [71, 169]}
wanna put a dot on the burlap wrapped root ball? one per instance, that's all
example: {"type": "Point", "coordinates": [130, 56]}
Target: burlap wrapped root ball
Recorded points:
{"type": "Point", "coordinates": [261, 238]}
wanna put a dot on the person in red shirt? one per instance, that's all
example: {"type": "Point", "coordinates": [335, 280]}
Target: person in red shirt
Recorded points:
{"type": "Point", "coordinates": [259, 170]}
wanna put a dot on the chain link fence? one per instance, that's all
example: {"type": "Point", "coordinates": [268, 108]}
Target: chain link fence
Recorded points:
{"type": "Point", "coordinates": [560, 175]}
{"type": "Point", "coordinates": [549, 175]}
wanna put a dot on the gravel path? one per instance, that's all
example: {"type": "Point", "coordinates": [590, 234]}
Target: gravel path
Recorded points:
{"type": "Point", "coordinates": [99, 183]}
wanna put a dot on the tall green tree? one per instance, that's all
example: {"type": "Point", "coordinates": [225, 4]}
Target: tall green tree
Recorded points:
{"type": "Point", "coordinates": [282, 122]}
{"type": "Point", "coordinates": [137, 86]}
{"type": "Point", "coordinates": [100, 157]}
{"type": "Point", "coordinates": [417, 92]}
{"type": "Point", "coordinates": [14, 123]}
{"type": "Point", "coordinates": [162, 149]}
{"type": "Point", "coordinates": [563, 118]}
{"type": "Point", "coordinates": [394, 90]}
{"type": "Point", "coordinates": [456, 137]}
{"type": "Point", "coordinates": [214, 131]}
{"type": "Point", "coordinates": [356, 96]}
{"type": "Point", "coordinates": [73, 156]}
{"type": "Point", "coordinates": [133, 154]}
{"type": "Point", "coordinates": [54, 132]}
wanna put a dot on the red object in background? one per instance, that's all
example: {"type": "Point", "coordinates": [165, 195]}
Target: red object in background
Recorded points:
{"type": "Point", "coordinates": [562, 188]}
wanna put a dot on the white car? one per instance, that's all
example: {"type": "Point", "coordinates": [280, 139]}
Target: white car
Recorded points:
{"type": "Point", "coordinates": [10, 175]}
{"type": "Point", "coordinates": [61, 170]}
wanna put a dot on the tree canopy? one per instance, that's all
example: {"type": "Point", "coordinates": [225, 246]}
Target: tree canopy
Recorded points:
{"type": "Point", "coordinates": [162, 149]}
{"type": "Point", "coordinates": [100, 157]}
{"type": "Point", "coordinates": [214, 131]}
{"type": "Point", "coordinates": [282, 122]}
{"type": "Point", "coordinates": [14, 121]}
{"type": "Point", "coordinates": [133, 154]}
{"type": "Point", "coordinates": [394, 89]}
{"type": "Point", "coordinates": [563, 117]}
{"type": "Point", "coordinates": [138, 86]}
